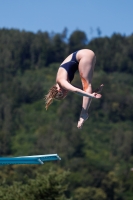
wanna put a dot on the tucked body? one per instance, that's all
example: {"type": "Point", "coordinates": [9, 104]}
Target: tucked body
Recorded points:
{"type": "Point", "coordinates": [84, 61]}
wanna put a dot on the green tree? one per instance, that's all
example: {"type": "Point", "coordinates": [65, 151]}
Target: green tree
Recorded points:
{"type": "Point", "coordinates": [51, 187]}
{"type": "Point", "coordinates": [89, 193]}
{"type": "Point", "coordinates": [77, 40]}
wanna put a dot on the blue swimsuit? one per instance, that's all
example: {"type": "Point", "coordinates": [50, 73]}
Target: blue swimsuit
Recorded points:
{"type": "Point", "coordinates": [71, 67]}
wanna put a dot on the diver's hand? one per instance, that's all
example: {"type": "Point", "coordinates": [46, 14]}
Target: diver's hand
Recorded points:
{"type": "Point", "coordinates": [96, 95]}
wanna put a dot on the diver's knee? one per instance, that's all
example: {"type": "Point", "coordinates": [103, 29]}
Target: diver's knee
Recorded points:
{"type": "Point", "coordinates": [87, 88]}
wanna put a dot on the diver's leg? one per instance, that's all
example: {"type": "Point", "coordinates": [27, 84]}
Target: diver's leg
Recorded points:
{"type": "Point", "coordinates": [86, 68]}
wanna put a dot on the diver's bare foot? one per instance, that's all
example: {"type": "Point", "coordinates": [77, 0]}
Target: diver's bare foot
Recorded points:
{"type": "Point", "coordinates": [82, 119]}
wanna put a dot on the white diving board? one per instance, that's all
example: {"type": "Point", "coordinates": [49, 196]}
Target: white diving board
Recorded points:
{"type": "Point", "coordinates": [37, 159]}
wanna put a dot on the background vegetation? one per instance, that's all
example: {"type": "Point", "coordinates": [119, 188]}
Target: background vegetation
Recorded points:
{"type": "Point", "coordinates": [96, 160]}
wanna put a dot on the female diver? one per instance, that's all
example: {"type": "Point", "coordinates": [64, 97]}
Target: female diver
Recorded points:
{"type": "Point", "coordinates": [84, 61]}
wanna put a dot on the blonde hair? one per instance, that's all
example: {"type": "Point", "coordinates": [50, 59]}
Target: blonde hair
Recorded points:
{"type": "Point", "coordinates": [52, 94]}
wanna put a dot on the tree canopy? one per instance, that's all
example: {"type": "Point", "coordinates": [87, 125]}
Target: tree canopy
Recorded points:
{"type": "Point", "coordinates": [96, 160]}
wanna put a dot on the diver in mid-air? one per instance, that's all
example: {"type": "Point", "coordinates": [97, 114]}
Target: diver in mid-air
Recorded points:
{"type": "Point", "coordinates": [84, 61]}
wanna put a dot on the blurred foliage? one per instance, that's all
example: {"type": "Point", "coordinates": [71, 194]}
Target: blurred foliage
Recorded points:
{"type": "Point", "coordinates": [51, 187]}
{"type": "Point", "coordinates": [99, 156]}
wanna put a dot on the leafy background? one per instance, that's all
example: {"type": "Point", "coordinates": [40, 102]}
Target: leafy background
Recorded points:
{"type": "Point", "coordinates": [97, 160]}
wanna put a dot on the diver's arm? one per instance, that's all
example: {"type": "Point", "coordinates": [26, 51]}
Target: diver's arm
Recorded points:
{"type": "Point", "coordinates": [66, 85]}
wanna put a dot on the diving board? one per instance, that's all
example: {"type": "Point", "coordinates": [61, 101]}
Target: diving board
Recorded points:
{"type": "Point", "coordinates": [36, 159]}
